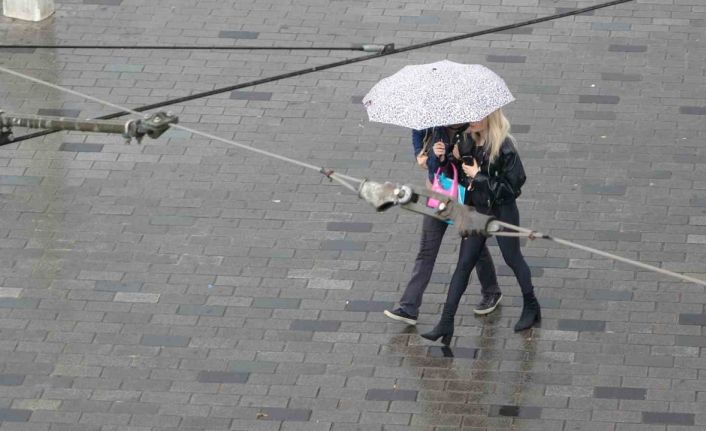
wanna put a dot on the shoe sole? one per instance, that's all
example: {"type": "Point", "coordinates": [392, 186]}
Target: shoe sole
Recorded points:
{"type": "Point", "coordinates": [488, 310]}
{"type": "Point", "coordinates": [400, 318]}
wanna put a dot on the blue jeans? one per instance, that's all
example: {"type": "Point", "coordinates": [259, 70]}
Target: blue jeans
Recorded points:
{"type": "Point", "coordinates": [432, 233]}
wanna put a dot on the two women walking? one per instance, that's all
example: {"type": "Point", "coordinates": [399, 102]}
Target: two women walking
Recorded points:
{"type": "Point", "coordinates": [493, 175]}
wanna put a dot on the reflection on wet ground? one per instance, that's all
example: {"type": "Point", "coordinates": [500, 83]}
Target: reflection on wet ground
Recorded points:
{"type": "Point", "coordinates": [466, 386]}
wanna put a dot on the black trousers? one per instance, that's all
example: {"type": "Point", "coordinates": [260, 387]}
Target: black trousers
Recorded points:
{"type": "Point", "coordinates": [470, 252]}
{"type": "Point", "coordinates": [432, 233]}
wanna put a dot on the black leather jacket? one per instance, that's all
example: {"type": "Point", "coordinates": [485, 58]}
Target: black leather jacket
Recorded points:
{"type": "Point", "coordinates": [497, 183]}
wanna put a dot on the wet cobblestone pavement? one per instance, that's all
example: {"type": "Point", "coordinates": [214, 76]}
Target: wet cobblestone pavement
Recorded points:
{"type": "Point", "coordinates": [183, 284]}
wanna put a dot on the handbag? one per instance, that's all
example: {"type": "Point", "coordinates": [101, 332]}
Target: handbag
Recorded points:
{"type": "Point", "coordinates": [447, 187]}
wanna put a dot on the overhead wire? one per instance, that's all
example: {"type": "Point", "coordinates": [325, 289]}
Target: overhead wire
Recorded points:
{"type": "Point", "coordinates": [343, 180]}
{"type": "Point", "coordinates": [383, 53]}
{"type": "Point", "coordinates": [330, 174]}
{"type": "Point", "coordinates": [192, 47]}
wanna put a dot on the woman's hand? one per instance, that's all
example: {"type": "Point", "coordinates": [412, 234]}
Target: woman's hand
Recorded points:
{"type": "Point", "coordinates": [422, 158]}
{"type": "Point", "coordinates": [471, 170]}
{"type": "Point", "coordinates": [440, 150]}
{"type": "Point", "coordinates": [455, 152]}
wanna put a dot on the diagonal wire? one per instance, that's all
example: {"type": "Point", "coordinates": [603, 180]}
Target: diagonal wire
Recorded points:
{"type": "Point", "coordinates": [343, 180]}
{"type": "Point", "coordinates": [191, 47]}
{"type": "Point", "coordinates": [330, 174]}
{"type": "Point", "coordinates": [524, 232]}
{"type": "Point", "coordinates": [383, 53]}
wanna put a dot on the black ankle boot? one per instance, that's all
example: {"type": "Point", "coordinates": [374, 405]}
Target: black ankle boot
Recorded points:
{"type": "Point", "coordinates": [531, 313]}
{"type": "Point", "coordinates": [444, 329]}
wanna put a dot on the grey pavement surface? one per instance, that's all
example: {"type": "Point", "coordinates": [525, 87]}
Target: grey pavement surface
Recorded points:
{"type": "Point", "coordinates": [187, 285]}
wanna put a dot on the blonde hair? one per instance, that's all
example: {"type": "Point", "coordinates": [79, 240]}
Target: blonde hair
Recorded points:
{"type": "Point", "coordinates": [495, 134]}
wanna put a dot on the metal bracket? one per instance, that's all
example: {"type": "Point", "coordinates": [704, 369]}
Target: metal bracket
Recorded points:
{"type": "Point", "coordinates": [152, 125]}
{"type": "Point", "coordinates": [466, 219]}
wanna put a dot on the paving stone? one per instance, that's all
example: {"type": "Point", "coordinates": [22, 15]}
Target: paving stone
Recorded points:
{"type": "Point", "coordinates": [18, 50]}
{"type": "Point", "coordinates": [390, 395]}
{"type": "Point", "coordinates": [515, 411]}
{"type": "Point", "coordinates": [538, 89]}
{"type": "Point", "coordinates": [371, 306]}
{"type": "Point", "coordinates": [238, 34]}
{"type": "Point", "coordinates": [15, 180]}
{"type": "Point", "coordinates": [342, 245]}
{"type": "Point", "coordinates": [505, 58]}
{"type": "Point", "coordinates": [609, 295]}
{"type": "Point", "coordinates": [112, 286]}
{"type": "Point", "coordinates": [602, 100]}
{"type": "Point", "coordinates": [282, 414]}
{"type": "Point", "coordinates": [315, 325]}
{"type": "Point", "coordinates": [627, 48]}
{"type": "Point", "coordinates": [667, 418]}
{"type": "Point", "coordinates": [690, 340]}
{"type": "Point", "coordinates": [52, 112]}
{"type": "Point", "coordinates": [349, 227]}
{"type": "Point", "coordinates": [81, 148]}
{"type": "Point", "coordinates": [243, 366]}
{"type": "Point", "coordinates": [453, 352]}
{"type": "Point", "coordinates": [250, 95]}
{"type": "Point", "coordinates": [692, 319]}
{"type": "Point", "coordinates": [222, 377]}
{"type": "Point", "coordinates": [287, 303]}
{"type": "Point", "coordinates": [419, 20]}
{"type": "Point", "coordinates": [150, 298]}
{"type": "Point", "coordinates": [627, 77]}
{"type": "Point", "coordinates": [594, 115]}
{"type": "Point", "coordinates": [104, 2]}
{"type": "Point", "coordinates": [581, 325]}
{"type": "Point", "coordinates": [611, 190]}
{"type": "Point", "coordinates": [619, 393]}
{"type": "Point", "coordinates": [164, 340]}
{"type": "Point", "coordinates": [201, 310]}
{"type": "Point", "coordinates": [692, 110]}
{"type": "Point", "coordinates": [18, 303]}
{"type": "Point", "coordinates": [611, 26]}
{"type": "Point", "coordinates": [14, 415]}
{"type": "Point", "coordinates": [521, 128]}
{"type": "Point", "coordinates": [11, 379]}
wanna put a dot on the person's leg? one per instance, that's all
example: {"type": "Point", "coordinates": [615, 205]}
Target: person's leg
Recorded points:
{"type": "Point", "coordinates": [510, 249]}
{"type": "Point", "coordinates": [467, 259]}
{"type": "Point", "coordinates": [490, 292]}
{"type": "Point", "coordinates": [485, 270]}
{"type": "Point", "coordinates": [432, 234]}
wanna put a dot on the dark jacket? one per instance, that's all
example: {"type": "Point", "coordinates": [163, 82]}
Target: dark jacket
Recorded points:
{"type": "Point", "coordinates": [497, 183]}
{"type": "Point", "coordinates": [434, 135]}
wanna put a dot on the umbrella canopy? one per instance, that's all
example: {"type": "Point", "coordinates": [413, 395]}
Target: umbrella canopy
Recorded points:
{"type": "Point", "coordinates": [436, 94]}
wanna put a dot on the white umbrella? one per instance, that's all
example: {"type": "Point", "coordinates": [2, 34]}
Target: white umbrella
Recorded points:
{"type": "Point", "coordinates": [436, 94]}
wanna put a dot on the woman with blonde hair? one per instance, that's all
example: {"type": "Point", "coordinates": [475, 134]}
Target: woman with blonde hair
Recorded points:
{"type": "Point", "coordinates": [431, 147]}
{"type": "Point", "coordinates": [494, 176]}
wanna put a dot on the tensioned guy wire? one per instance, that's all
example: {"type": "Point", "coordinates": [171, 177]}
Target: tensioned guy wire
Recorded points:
{"type": "Point", "coordinates": [365, 48]}
{"type": "Point", "coordinates": [383, 53]}
{"type": "Point", "coordinates": [342, 179]}
{"type": "Point", "coordinates": [332, 175]}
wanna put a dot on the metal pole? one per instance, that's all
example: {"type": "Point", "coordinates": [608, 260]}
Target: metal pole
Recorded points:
{"type": "Point", "coordinates": [152, 125]}
{"type": "Point", "coordinates": [61, 123]}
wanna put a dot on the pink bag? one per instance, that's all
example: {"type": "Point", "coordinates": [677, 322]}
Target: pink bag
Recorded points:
{"type": "Point", "coordinates": [441, 185]}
